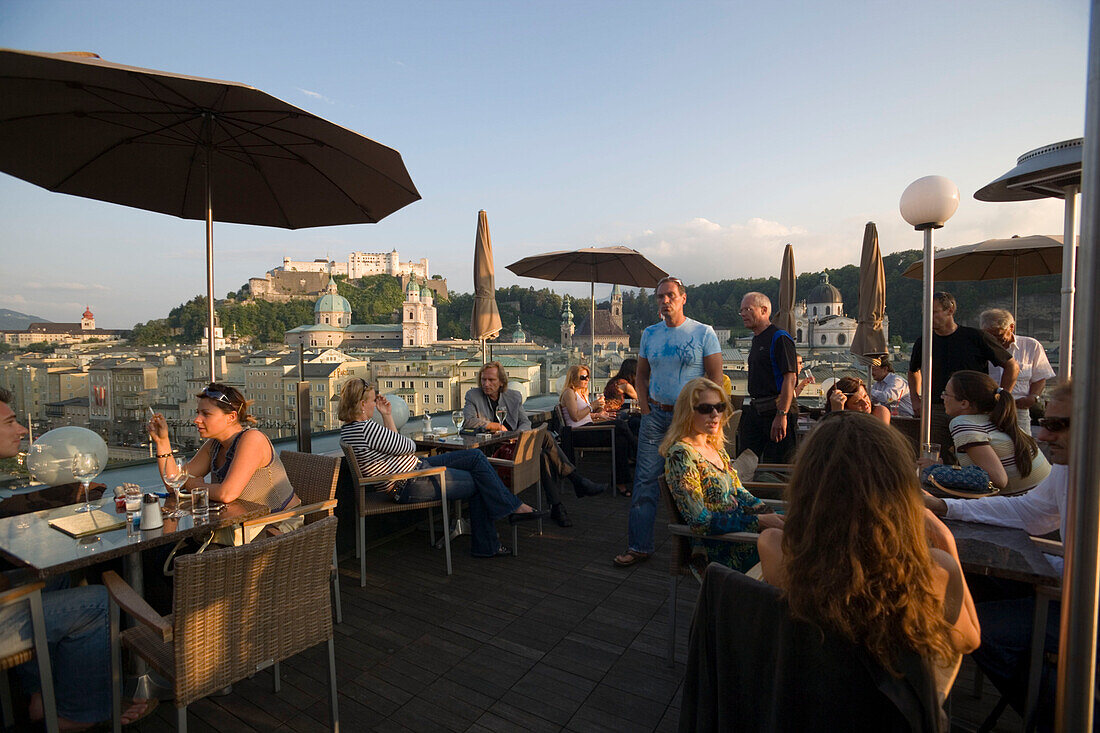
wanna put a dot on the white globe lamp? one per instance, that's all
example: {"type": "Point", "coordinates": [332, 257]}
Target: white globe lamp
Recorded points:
{"type": "Point", "coordinates": [927, 203]}
{"type": "Point", "coordinates": [50, 458]}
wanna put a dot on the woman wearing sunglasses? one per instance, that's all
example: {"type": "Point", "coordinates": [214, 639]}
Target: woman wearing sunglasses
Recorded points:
{"type": "Point", "coordinates": [849, 393]}
{"type": "Point", "coordinates": [704, 484]}
{"type": "Point", "coordinates": [579, 409]}
{"type": "Point", "coordinates": [240, 460]}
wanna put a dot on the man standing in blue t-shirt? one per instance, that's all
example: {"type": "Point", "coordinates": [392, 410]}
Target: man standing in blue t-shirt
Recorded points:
{"type": "Point", "coordinates": [673, 352]}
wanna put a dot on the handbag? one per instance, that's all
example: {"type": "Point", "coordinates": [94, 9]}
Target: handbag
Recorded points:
{"type": "Point", "coordinates": [967, 482]}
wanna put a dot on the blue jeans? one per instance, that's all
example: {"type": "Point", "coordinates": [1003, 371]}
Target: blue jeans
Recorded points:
{"type": "Point", "coordinates": [469, 476]}
{"type": "Point", "coordinates": [78, 634]}
{"type": "Point", "coordinates": [648, 467]}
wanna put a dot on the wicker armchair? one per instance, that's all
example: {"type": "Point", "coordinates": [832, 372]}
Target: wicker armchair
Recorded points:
{"type": "Point", "coordinates": [372, 503]}
{"type": "Point", "coordinates": [235, 611]}
{"type": "Point", "coordinates": [524, 471]}
{"type": "Point", "coordinates": [31, 594]}
{"type": "Point", "coordinates": [566, 434]}
{"type": "Point", "coordinates": [314, 480]}
{"type": "Point", "coordinates": [680, 562]}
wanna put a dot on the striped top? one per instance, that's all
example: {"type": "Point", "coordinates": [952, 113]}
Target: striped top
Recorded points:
{"type": "Point", "coordinates": [379, 450]}
{"type": "Point", "coordinates": [968, 430]}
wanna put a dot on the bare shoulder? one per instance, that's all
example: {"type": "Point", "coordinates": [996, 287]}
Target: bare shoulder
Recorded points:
{"type": "Point", "coordinates": [770, 547]}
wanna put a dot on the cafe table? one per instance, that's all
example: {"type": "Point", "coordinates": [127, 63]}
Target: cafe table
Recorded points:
{"type": "Point", "coordinates": [1006, 552]}
{"type": "Point", "coordinates": [30, 541]}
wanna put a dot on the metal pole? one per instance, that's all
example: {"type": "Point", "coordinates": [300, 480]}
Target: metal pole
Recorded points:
{"type": "Point", "coordinates": [1069, 275]}
{"type": "Point", "coordinates": [592, 328]}
{"type": "Point", "coordinates": [208, 124]}
{"type": "Point", "coordinates": [1015, 288]}
{"type": "Point", "coordinates": [1077, 641]}
{"type": "Point", "coordinates": [926, 343]}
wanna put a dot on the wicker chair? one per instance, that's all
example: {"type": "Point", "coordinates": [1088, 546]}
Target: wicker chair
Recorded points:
{"type": "Point", "coordinates": [372, 503]}
{"type": "Point", "coordinates": [566, 434]}
{"type": "Point", "coordinates": [680, 562]}
{"type": "Point", "coordinates": [236, 610]}
{"type": "Point", "coordinates": [31, 594]}
{"type": "Point", "coordinates": [314, 480]}
{"type": "Point", "coordinates": [525, 472]}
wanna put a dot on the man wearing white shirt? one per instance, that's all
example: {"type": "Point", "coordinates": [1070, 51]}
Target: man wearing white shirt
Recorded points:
{"type": "Point", "coordinates": [1006, 622]}
{"type": "Point", "coordinates": [1035, 368]}
{"type": "Point", "coordinates": [889, 388]}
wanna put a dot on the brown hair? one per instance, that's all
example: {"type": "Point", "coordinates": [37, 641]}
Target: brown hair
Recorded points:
{"type": "Point", "coordinates": [856, 553]}
{"type": "Point", "coordinates": [501, 374]}
{"type": "Point", "coordinates": [353, 392]}
{"type": "Point", "coordinates": [847, 385]}
{"type": "Point", "coordinates": [5, 396]}
{"type": "Point", "coordinates": [1063, 392]}
{"type": "Point", "coordinates": [980, 390]}
{"type": "Point", "coordinates": [946, 301]}
{"type": "Point", "coordinates": [572, 377]}
{"type": "Point", "coordinates": [228, 399]}
{"type": "Point", "coordinates": [683, 416]}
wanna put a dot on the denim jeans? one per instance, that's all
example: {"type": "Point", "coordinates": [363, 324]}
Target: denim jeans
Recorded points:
{"type": "Point", "coordinates": [469, 476]}
{"type": "Point", "coordinates": [78, 635]}
{"type": "Point", "coordinates": [648, 467]}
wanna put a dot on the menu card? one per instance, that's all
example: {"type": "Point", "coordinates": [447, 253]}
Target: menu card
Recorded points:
{"type": "Point", "coordinates": [86, 523]}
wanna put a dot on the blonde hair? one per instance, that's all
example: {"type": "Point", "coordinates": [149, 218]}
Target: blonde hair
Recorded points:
{"type": "Point", "coordinates": [354, 391]}
{"type": "Point", "coordinates": [683, 416]}
{"type": "Point", "coordinates": [572, 377]}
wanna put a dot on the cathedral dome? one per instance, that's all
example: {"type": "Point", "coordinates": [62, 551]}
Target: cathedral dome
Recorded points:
{"type": "Point", "coordinates": [824, 292]}
{"type": "Point", "coordinates": [332, 303]}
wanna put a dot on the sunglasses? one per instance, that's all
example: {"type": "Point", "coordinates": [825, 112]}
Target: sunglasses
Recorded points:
{"type": "Point", "coordinates": [1054, 424]}
{"type": "Point", "coordinates": [583, 377]}
{"type": "Point", "coordinates": [705, 408]}
{"type": "Point", "coordinates": [217, 396]}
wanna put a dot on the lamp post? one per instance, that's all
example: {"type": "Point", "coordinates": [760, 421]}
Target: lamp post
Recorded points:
{"type": "Point", "coordinates": [927, 203]}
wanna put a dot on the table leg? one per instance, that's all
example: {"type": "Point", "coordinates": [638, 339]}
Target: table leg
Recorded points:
{"type": "Point", "coordinates": [460, 527]}
{"type": "Point", "coordinates": [144, 684]}
{"type": "Point", "coordinates": [1035, 666]}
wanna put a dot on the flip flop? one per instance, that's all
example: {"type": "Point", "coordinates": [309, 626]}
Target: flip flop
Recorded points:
{"type": "Point", "coordinates": [630, 557]}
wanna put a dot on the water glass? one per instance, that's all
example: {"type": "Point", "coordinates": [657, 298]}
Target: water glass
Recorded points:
{"type": "Point", "coordinates": [931, 451]}
{"type": "Point", "coordinates": [132, 495]}
{"type": "Point", "coordinates": [200, 503]}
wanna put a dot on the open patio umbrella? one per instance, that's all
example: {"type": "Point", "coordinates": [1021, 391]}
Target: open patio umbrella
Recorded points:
{"type": "Point", "coordinates": [869, 340]}
{"type": "Point", "coordinates": [996, 259]}
{"type": "Point", "coordinates": [783, 317]}
{"type": "Point", "coordinates": [611, 265]}
{"type": "Point", "coordinates": [190, 147]}
{"type": "Point", "coordinates": [485, 318]}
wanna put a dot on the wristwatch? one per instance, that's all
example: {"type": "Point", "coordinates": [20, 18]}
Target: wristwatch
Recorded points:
{"type": "Point", "coordinates": [781, 412]}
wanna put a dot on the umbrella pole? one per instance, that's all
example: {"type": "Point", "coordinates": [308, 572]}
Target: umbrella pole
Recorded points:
{"type": "Point", "coordinates": [1015, 287]}
{"type": "Point", "coordinates": [1069, 262]}
{"type": "Point", "coordinates": [592, 329]}
{"type": "Point", "coordinates": [207, 122]}
{"type": "Point", "coordinates": [926, 344]}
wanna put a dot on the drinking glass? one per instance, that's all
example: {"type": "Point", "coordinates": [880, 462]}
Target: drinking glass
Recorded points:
{"type": "Point", "coordinates": [502, 415]}
{"type": "Point", "coordinates": [931, 451]}
{"type": "Point", "coordinates": [175, 478]}
{"type": "Point", "coordinates": [85, 468]}
{"type": "Point", "coordinates": [200, 503]}
{"type": "Point", "coordinates": [132, 495]}
{"type": "Point", "coordinates": [458, 418]}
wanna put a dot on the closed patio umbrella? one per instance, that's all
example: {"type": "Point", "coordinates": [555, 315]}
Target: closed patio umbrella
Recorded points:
{"type": "Point", "coordinates": [611, 265]}
{"type": "Point", "coordinates": [783, 317]}
{"type": "Point", "coordinates": [485, 318]}
{"type": "Point", "coordinates": [190, 147]}
{"type": "Point", "coordinates": [869, 340]}
{"type": "Point", "coordinates": [996, 259]}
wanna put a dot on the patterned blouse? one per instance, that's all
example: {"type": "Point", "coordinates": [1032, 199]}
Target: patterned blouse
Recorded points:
{"type": "Point", "coordinates": [712, 501]}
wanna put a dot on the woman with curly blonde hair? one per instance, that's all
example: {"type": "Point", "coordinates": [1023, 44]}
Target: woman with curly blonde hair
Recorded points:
{"type": "Point", "coordinates": [861, 556]}
{"type": "Point", "coordinates": [704, 484]}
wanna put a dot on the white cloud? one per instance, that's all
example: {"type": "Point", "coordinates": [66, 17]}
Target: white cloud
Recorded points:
{"type": "Point", "coordinates": [68, 286]}
{"type": "Point", "coordinates": [13, 299]}
{"type": "Point", "coordinates": [315, 95]}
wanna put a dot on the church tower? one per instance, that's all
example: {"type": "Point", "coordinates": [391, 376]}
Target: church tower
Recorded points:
{"type": "Point", "coordinates": [567, 328]}
{"type": "Point", "coordinates": [617, 306]}
{"type": "Point", "coordinates": [87, 321]}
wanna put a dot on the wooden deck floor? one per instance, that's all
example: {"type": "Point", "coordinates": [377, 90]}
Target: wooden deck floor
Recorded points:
{"type": "Point", "coordinates": [554, 639]}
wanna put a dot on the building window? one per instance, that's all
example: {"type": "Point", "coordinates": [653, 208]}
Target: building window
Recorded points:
{"type": "Point", "coordinates": [815, 310]}
{"type": "Point", "coordinates": [439, 384]}
{"type": "Point", "coordinates": [840, 339]}
{"type": "Point", "coordinates": [427, 399]}
{"type": "Point", "coordinates": [389, 382]}
{"type": "Point", "coordinates": [799, 339]}
{"type": "Point", "coordinates": [828, 310]}
{"type": "Point", "coordinates": [439, 399]}
{"type": "Point", "coordinates": [823, 338]}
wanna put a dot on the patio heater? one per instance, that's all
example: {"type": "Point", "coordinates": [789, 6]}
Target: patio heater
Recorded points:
{"type": "Point", "coordinates": [927, 203]}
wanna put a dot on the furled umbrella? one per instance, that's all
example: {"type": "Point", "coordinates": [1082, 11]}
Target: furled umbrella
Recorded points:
{"type": "Point", "coordinates": [485, 318]}
{"type": "Point", "coordinates": [611, 265]}
{"type": "Point", "coordinates": [870, 341]}
{"type": "Point", "coordinates": [783, 317]}
{"type": "Point", "coordinates": [190, 147]}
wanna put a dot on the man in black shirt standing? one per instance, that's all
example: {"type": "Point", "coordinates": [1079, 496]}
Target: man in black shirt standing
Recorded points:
{"type": "Point", "coordinates": [768, 423]}
{"type": "Point", "coordinates": [954, 348]}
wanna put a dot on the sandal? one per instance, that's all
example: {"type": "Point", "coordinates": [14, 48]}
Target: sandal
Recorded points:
{"type": "Point", "coordinates": [630, 557]}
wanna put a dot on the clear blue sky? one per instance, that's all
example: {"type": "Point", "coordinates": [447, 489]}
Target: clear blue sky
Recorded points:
{"type": "Point", "coordinates": [705, 134]}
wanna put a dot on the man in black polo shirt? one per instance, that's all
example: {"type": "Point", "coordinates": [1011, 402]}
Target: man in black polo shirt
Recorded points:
{"type": "Point", "coordinates": [768, 422]}
{"type": "Point", "coordinates": [954, 348]}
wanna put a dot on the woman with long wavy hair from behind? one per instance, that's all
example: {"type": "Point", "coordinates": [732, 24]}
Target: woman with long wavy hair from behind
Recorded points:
{"type": "Point", "coordinates": [860, 555]}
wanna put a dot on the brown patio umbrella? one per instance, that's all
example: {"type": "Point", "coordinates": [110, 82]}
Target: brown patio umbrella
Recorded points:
{"type": "Point", "coordinates": [190, 147]}
{"type": "Point", "coordinates": [869, 340]}
{"type": "Point", "coordinates": [996, 259]}
{"type": "Point", "coordinates": [485, 319]}
{"type": "Point", "coordinates": [783, 317]}
{"type": "Point", "coordinates": [611, 265]}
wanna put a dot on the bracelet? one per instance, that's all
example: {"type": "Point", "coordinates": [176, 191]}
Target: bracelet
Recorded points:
{"type": "Point", "coordinates": [164, 455]}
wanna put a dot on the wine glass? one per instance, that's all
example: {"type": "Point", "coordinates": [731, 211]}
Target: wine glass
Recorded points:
{"type": "Point", "coordinates": [85, 468]}
{"type": "Point", "coordinates": [458, 418]}
{"type": "Point", "coordinates": [502, 415]}
{"type": "Point", "coordinates": [175, 477]}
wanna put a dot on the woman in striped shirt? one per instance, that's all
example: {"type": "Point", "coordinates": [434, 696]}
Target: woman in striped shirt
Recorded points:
{"type": "Point", "coordinates": [381, 450]}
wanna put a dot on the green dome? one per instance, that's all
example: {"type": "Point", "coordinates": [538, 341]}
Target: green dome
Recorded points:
{"type": "Point", "coordinates": [332, 303]}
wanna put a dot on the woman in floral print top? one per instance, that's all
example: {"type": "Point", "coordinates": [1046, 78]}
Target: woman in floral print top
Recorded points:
{"type": "Point", "coordinates": [706, 488]}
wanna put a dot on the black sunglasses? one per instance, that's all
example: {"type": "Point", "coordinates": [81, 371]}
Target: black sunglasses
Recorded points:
{"type": "Point", "coordinates": [705, 408]}
{"type": "Point", "coordinates": [1054, 424]}
{"type": "Point", "coordinates": [583, 377]}
{"type": "Point", "coordinates": [217, 396]}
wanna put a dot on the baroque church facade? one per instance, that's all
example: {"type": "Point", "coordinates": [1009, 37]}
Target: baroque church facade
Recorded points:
{"type": "Point", "coordinates": [820, 320]}
{"type": "Point", "coordinates": [416, 327]}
